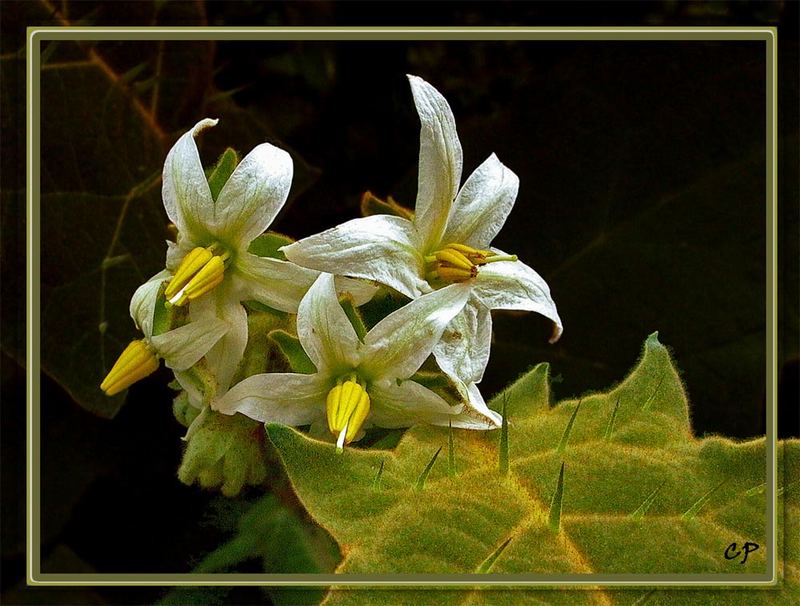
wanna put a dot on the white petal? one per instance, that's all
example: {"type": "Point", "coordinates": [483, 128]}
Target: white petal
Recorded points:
{"type": "Point", "coordinates": [482, 205]}
{"type": "Point", "coordinates": [143, 302]}
{"type": "Point", "coordinates": [514, 285]}
{"type": "Point", "coordinates": [463, 350]}
{"type": "Point", "coordinates": [324, 331]}
{"type": "Point", "coordinates": [476, 415]}
{"type": "Point", "coordinates": [398, 345]}
{"type": "Point", "coordinates": [362, 291]}
{"type": "Point", "coordinates": [253, 195]}
{"type": "Point", "coordinates": [440, 160]}
{"type": "Point", "coordinates": [407, 404]}
{"type": "Point", "coordinates": [273, 282]}
{"type": "Point", "coordinates": [184, 346]}
{"type": "Point", "coordinates": [176, 252]}
{"type": "Point", "coordinates": [379, 247]}
{"type": "Point", "coordinates": [223, 303]}
{"type": "Point", "coordinates": [288, 398]}
{"type": "Point", "coordinates": [187, 197]}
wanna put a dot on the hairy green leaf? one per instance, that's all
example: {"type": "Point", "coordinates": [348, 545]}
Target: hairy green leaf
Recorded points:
{"type": "Point", "coordinates": [619, 486]}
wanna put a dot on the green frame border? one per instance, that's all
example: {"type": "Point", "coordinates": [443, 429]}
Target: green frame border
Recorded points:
{"type": "Point", "coordinates": [37, 34]}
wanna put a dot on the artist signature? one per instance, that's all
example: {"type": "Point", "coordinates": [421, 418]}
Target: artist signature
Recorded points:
{"type": "Point", "coordinates": [733, 551]}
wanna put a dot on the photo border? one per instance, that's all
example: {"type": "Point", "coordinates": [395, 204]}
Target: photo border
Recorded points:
{"type": "Point", "coordinates": [37, 34]}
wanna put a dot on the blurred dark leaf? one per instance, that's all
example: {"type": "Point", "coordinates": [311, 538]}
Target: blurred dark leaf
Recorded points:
{"type": "Point", "coordinates": [110, 110]}
{"type": "Point", "coordinates": [274, 535]}
{"type": "Point", "coordinates": [642, 203]}
{"type": "Point", "coordinates": [63, 559]}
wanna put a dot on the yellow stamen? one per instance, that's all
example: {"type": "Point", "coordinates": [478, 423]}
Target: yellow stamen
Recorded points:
{"type": "Point", "coordinates": [133, 364]}
{"type": "Point", "coordinates": [456, 274]}
{"type": "Point", "coordinates": [347, 407]}
{"type": "Point", "coordinates": [204, 278]}
{"type": "Point", "coordinates": [475, 255]}
{"type": "Point", "coordinates": [459, 262]}
{"type": "Point", "coordinates": [454, 258]}
{"type": "Point", "coordinates": [191, 264]}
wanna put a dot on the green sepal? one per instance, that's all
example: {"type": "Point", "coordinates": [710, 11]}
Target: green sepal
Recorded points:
{"type": "Point", "coordinates": [202, 379]}
{"type": "Point", "coordinates": [293, 351]}
{"type": "Point", "coordinates": [440, 384]}
{"type": "Point", "coordinates": [384, 302]}
{"type": "Point", "coordinates": [372, 205]}
{"type": "Point", "coordinates": [223, 452]}
{"type": "Point", "coordinates": [165, 317]}
{"type": "Point", "coordinates": [267, 245]}
{"type": "Point", "coordinates": [222, 171]}
{"type": "Point", "coordinates": [351, 311]}
{"type": "Point", "coordinates": [260, 354]}
{"type": "Point", "coordinates": [252, 305]}
{"type": "Point", "coordinates": [183, 411]}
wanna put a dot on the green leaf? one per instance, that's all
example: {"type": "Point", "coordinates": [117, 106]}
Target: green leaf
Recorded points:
{"type": "Point", "coordinates": [647, 497]}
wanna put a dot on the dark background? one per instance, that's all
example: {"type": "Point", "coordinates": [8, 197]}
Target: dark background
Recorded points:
{"type": "Point", "coordinates": [641, 203]}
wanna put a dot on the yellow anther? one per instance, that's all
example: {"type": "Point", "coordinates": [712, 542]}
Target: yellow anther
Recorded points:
{"type": "Point", "coordinates": [453, 258]}
{"type": "Point", "coordinates": [476, 255]}
{"type": "Point", "coordinates": [191, 264]}
{"type": "Point", "coordinates": [347, 407]}
{"type": "Point", "coordinates": [456, 274]}
{"type": "Point", "coordinates": [134, 364]}
{"type": "Point", "coordinates": [208, 277]}
{"type": "Point", "coordinates": [459, 262]}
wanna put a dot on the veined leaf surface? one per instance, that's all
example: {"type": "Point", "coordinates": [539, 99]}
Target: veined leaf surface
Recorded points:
{"type": "Point", "coordinates": [640, 494]}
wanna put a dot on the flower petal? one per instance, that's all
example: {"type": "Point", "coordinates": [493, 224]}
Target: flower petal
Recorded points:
{"type": "Point", "coordinates": [514, 285]}
{"type": "Point", "coordinates": [482, 205]}
{"type": "Point", "coordinates": [253, 195]}
{"type": "Point", "coordinates": [183, 347]}
{"type": "Point", "coordinates": [323, 328]}
{"type": "Point", "coordinates": [378, 248]}
{"type": "Point", "coordinates": [407, 404]}
{"type": "Point", "coordinates": [398, 345]}
{"type": "Point", "coordinates": [476, 415]}
{"type": "Point", "coordinates": [463, 350]}
{"type": "Point", "coordinates": [288, 398]}
{"type": "Point", "coordinates": [440, 161]}
{"type": "Point", "coordinates": [187, 197]}
{"type": "Point", "coordinates": [223, 303]}
{"type": "Point", "coordinates": [361, 290]}
{"type": "Point", "coordinates": [273, 282]}
{"type": "Point", "coordinates": [143, 302]}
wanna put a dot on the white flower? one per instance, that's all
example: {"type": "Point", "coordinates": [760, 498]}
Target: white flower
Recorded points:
{"type": "Point", "coordinates": [180, 348]}
{"type": "Point", "coordinates": [449, 240]}
{"type": "Point", "coordinates": [357, 384]}
{"type": "Point", "coordinates": [211, 267]}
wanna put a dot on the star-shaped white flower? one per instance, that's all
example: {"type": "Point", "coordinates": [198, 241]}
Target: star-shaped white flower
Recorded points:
{"type": "Point", "coordinates": [211, 267]}
{"type": "Point", "coordinates": [180, 347]}
{"type": "Point", "coordinates": [358, 384]}
{"type": "Point", "coordinates": [448, 241]}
